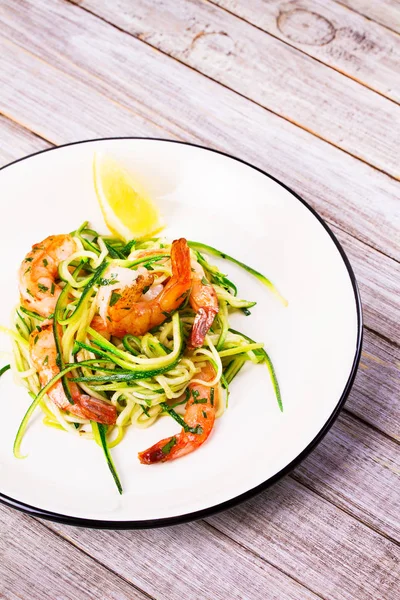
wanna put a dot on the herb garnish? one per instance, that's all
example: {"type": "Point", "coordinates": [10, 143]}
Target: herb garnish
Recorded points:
{"type": "Point", "coordinates": [114, 298]}
{"type": "Point", "coordinates": [43, 288]}
{"type": "Point", "coordinates": [168, 446]}
{"type": "Point", "coordinates": [104, 281]}
{"type": "Point", "coordinates": [45, 262]}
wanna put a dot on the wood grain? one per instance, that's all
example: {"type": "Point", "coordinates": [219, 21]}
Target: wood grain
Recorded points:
{"type": "Point", "coordinates": [335, 555]}
{"type": "Point", "coordinates": [265, 70]}
{"type": "Point", "coordinates": [328, 31]}
{"type": "Point", "coordinates": [375, 396]}
{"type": "Point", "coordinates": [386, 12]}
{"type": "Point", "coordinates": [377, 274]}
{"type": "Point", "coordinates": [358, 470]}
{"type": "Point", "coordinates": [91, 79]}
{"type": "Point", "coordinates": [379, 283]}
{"type": "Point", "coordinates": [17, 142]}
{"type": "Point", "coordinates": [35, 564]}
{"type": "Point", "coordinates": [348, 561]}
{"type": "Point", "coordinates": [186, 561]}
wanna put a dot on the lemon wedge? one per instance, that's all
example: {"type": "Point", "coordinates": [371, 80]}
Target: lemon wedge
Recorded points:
{"type": "Point", "coordinates": [127, 210]}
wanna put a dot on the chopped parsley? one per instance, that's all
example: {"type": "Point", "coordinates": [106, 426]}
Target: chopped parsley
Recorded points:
{"type": "Point", "coordinates": [110, 281]}
{"type": "Point", "coordinates": [114, 298]}
{"type": "Point", "coordinates": [46, 360]}
{"type": "Point", "coordinates": [212, 396]}
{"type": "Point", "coordinates": [53, 287]}
{"type": "Point", "coordinates": [43, 288]}
{"type": "Point", "coordinates": [200, 401]}
{"type": "Point", "coordinates": [204, 414]}
{"type": "Point", "coordinates": [45, 262]}
{"type": "Point", "coordinates": [28, 269]}
{"type": "Point", "coordinates": [28, 291]}
{"type": "Point", "coordinates": [29, 259]}
{"type": "Point", "coordinates": [145, 289]}
{"type": "Point", "coordinates": [168, 446]}
{"type": "Point", "coordinates": [198, 430]}
{"type": "Point", "coordinates": [195, 393]}
{"type": "Point", "coordinates": [36, 339]}
{"type": "Point", "coordinates": [38, 328]}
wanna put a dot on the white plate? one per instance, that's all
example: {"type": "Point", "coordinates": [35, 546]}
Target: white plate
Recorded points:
{"type": "Point", "coordinates": [315, 342]}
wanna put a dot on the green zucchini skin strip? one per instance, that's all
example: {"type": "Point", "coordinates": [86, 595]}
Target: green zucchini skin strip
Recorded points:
{"type": "Point", "coordinates": [172, 413]}
{"type": "Point", "coordinates": [126, 342]}
{"type": "Point", "coordinates": [268, 362]}
{"type": "Point", "coordinates": [96, 275]}
{"type": "Point", "coordinates": [33, 405]}
{"type": "Point", "coordinates": [205, 248]}
{"type": "Point", "coordinates": [57, 340]}
{"type": "Point", "coordinates": [99, 432]}
{"type": "Point", "coordinates": [4, 369]}
{"type": "Point", "coordinates": [124, 375]}
{"type": "Point", "coordinates": [30, 313]}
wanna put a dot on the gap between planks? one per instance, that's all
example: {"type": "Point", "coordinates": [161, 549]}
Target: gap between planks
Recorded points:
{"type": "Point", "coordinates": [350, 6]}
{"type": "Point", "coordinates": [46, 524]}
{"type": "Point", "coordinates": [242, 95]}
{"type": "Point", "coordinates": [286, 41]}
{"type": "Point", "coordinates": [347, 210]}
{"type": "Point", "coordinates": [254, 553]}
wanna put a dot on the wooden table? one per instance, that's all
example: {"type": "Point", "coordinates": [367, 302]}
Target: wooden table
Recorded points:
{"type": "Point", "coordinates": [308, 90]}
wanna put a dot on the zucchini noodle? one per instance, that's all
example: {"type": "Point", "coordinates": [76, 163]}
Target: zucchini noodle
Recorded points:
{"type": "Point", "coordinates": [141, 376]}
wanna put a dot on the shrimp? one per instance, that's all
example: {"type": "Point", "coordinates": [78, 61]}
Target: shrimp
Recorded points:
{"type": "Point", "coordinates": [203, 299]}
{"type": "Point", "coordinates": [199, 415]}
{"type": "Point", "coordinates": [131, 314]}
{"type": "Point", "coordinates": [39, 270]}
{"type": "Point", "coordinates": [44, 358]}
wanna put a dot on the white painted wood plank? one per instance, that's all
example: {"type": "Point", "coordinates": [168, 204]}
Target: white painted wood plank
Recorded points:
{"type": "Point", "coordinates": [379, 282]}
{"type": "Point", "coordinates": [346, 41]}
{"type": "Point", "coordinates": [375, 396]}
{"type": "Point", "coordinates": [186, 561]}
{"type": "Point", "coordinates": [16, 142]}
{"type": "Point", "coordinates": [386, 12]}
{"type": "Point", "coordinates": [333, 553]}
{"type": "Point", "coordinates": [35, 564]}
{"type": "Point", "coordinates": [357, 469]}
{"type": "Point", "coordinates": [110, 94]}
{"type": "Point", "coordinates": [262, 68]}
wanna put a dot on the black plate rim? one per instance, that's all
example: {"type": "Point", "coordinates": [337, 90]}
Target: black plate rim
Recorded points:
{"type": "Point", "coordinates": [212, 510]}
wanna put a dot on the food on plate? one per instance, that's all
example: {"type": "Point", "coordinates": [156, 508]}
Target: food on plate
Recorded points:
{"type": "Point", "coordinates": [113, 332]}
